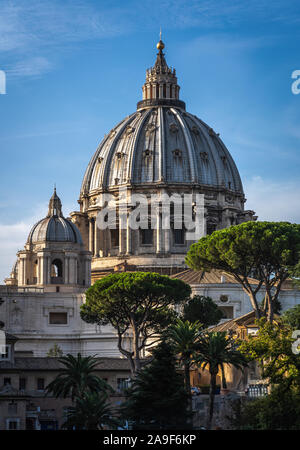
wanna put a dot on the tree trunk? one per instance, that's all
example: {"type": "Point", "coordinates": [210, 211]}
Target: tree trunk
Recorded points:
{"type": "Point", "coordinates": [136, 350]}
{"type": "Point", "coordinates": [187, 383]}
{"type": "Point", "coordinates": [187, 378]}
{"type": "Point", "coordinates": [224, 384]}
{"type": "Point", "coordinates": [270, 312]}
{"type": "Point", "coordinates": [254, 305]}
{"type": "Point", "coordinates": [127, 354]}
{"type": "Point", "coordinates": [212, 389]}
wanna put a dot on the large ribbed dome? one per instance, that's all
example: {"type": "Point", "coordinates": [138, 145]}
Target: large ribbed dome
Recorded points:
{"type": "Point", "coordinates": [55, 227]}
{"type": "Point", "coordinates": [162, 153]}
{"type": "Point", "coordinates": [162, 144]}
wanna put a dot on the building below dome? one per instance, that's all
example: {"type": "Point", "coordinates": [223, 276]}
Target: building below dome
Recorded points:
{"type": "Point", "coordinates": [160, 150]}
{"type": "Point", "coordinates": [41, 301]}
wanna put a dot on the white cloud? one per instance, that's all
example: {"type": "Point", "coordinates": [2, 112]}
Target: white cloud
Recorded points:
{"type": "Point", "coordinates": [273, 200]}
{"type": "Point", "coordinates": [44, 23]}
{"type": "Point", "coordinates": [32, 67]}
{"type": "Point", "coordinates": [12, 239]}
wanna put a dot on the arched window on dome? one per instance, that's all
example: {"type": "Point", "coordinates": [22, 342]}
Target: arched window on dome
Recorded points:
{"type": "Point", "coordinates": [57, 271]}
{"type": "Point", "coordinates": [178, 165]}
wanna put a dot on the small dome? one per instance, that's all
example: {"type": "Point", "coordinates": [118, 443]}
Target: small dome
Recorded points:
{"type": "Point", "coordinates": [55, 227]}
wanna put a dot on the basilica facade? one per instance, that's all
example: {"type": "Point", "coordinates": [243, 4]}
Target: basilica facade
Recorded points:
{"type": "Point", "coordinates": [160, 150]}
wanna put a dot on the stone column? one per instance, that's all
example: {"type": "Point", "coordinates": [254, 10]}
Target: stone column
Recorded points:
{"type": "Point", "coordinates": [24, 271]}
{"type": "Point", "coordinates": [122, 227]}
{"type": "Point", "coordinates": [39, 277]}
{"type": "Point", "coordinates": [167, 240]}
{"type": "Point", "coordinates": [48, 270]}
{"type": "Point", "coordinates": [167, 91]}
{"type": "Point", "coordinates": [73, 271]}
{"type": "Point", "coordinates": [91, 236]}
{"type": "Point", "coordinates": [161, 91]}
{"type": "Point", "coordinates": [128, 233]}
{"type": "Point", "coordinates": [21, 273]}
{"type": "Point", "coordinates": [44, 269]}
{"type": "Point", "coordinates": [96, 239]}
{"type": "Point", "coordinates": [66, 270]}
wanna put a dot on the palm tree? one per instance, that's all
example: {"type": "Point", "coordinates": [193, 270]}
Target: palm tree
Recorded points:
{"type": "Point", "coordinates": [76, 378]}
{"type": "Point", "coordinates": [185, 338]}
{"type": "Point", "coordinates": [91, 412]}
{"type": "Point", "coordinates": [215, 350]}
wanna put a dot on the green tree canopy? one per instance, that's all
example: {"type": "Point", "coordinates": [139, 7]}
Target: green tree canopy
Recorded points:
{"type": "Point", "coordinates": [137, 302]}
{"type": "Point", "coordinates": [280, 410]}
{"type": "Point", "coordinates": [185, 338]}
{"type": "Point", "coordinates": [202, 309]}
{"type": "Point", "coordinates": [266, 251]}
{"type": "Point", "coordinates": [272, 348]}
{"type": "Point", "coordinates": [291, 317]}
{"type": "Point", "coordinates": [91, 412]}
{"type": "Point", "coordinates": [77, 377]}
{"type": "Point", "coordinates": [215, 350]}
{"type": "Point", "coordinates": [157, 398]}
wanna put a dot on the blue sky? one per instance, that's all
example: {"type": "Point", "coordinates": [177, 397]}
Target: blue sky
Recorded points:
{"type": "Point", "coordinates": [75, 68]}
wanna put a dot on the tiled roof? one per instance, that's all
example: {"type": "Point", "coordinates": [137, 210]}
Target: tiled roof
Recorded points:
{"type": "Point", "coordinates": [202, 277]}
{"type": "Point", "coordinates": [234, 324]}
{"type": "Point", "coordinates": [38, 363]}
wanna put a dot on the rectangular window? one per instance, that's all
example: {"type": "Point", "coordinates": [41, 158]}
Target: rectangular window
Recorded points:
{"type": "Point", "coordinates": [58, 318]}
{"type": "Point", "coordinates": [5, 353]}
{"type": "Point", "coordinates": [114, 236]}
{"type": "Point", "coordinates": [122, 384]}
{"type": "Point", "coordinates": [147, 237]}
{"type": "Point", "coordinates": [22, 384]}
{"type": "Point", "coordinates": [6, 381]}
{"type": "Point", "coordinates": [40, 384]}
{"type": "Point", "coordinates": [179, 236]}
{"type": "Point", "coordinates": [227, 311]}
{"type": "Point", "coordinates": [12, 408]}
{"type": "Point", "coordinates": [12, 424]}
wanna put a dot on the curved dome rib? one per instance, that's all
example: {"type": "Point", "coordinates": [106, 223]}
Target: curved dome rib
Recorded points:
{"type": "Point", "coordinates": [161, 144]}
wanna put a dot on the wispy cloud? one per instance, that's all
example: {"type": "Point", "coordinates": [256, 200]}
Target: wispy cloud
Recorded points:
{"type": "Point", "coordinates": [31, 31]}
{"type": "Point", "coordinates": [42, 23]}
{"type": "Point", "coordinates": [31, 67]}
